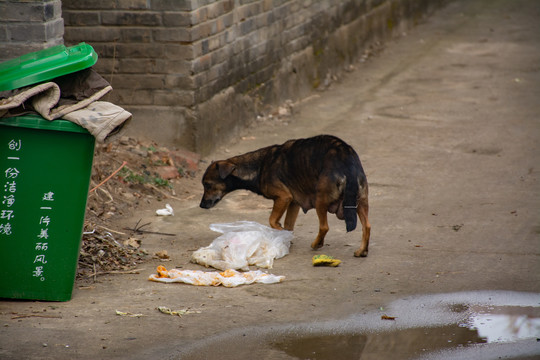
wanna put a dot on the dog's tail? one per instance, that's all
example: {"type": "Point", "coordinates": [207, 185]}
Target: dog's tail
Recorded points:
{"type": "Point", "coordinates": [350, 200]}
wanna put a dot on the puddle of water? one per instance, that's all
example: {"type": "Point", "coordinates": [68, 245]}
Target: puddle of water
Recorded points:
{"type": "Point", "coordinates": [479, 325]}
{"type": "Point", "coordinates": [505, 323]}
{"type": "Point", "coordinates": [407, 343]}
{"type": "Point", "coordinates": [323, 347]}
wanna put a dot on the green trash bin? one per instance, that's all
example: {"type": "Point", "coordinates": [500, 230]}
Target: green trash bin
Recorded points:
{"type": "Point", "coordinates": [45, 172]}
{"type": "Point", "coordinates": [45, 169]}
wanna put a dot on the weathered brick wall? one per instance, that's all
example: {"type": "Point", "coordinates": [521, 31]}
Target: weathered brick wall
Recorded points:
{"type": "Point", "coordinates": [27, 26]}
{"type": "Point", "coordinates": [193, 72]}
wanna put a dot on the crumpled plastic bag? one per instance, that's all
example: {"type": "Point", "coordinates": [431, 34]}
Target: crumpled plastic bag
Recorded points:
{"type": "Point", "coordinates": [242, 244]}
{"type": "Point", "coordinates": [168, 211]}
{"type": "Point", "coordinates": [227, 278]}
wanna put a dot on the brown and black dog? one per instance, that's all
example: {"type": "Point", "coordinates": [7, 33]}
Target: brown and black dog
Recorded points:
{"type": "Point", "coordinates": [321, 172]}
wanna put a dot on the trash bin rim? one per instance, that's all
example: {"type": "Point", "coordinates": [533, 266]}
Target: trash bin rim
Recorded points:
{"type": "Point", "coordinates": [33, 121]}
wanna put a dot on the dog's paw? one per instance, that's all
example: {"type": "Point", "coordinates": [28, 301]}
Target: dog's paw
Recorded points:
{"type": "Point", "coordinates": [317, 244]}
{"type": "Point", "coordinates": [361, 253]}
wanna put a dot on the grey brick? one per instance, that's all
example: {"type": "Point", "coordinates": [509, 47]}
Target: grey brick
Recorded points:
{"type": "Point", "coordinates": [178, 68]}
{"type": "Point", "coordinates": [80, 18]}
{"type": "Point", "coordinates": [92, 34]}
{"type": "Point", "coordinates": [88, 4]}
{"type": "Point", "coordinates": [139, 81]}
{"type": "Point", "coordinates": [216, 9]}
{"type": "Point", "coordinates": [174, 98]}
{"type": "Point", "coordinates": [132, 4]}
{"type": "Point", "coordinates": [3, 34]}
{"type": "Point", "coordinates": [117, 18]}
{"type": "Point", "coordinates": [171, 35]}
{"type": "Point", "coordinates": [201, 64]}
{"type": "Point", "coordinates": [201, 31]}
{"type": "Point", "coordinates": [179, 51]}
{"type": "Point", "coordinates": [52, 10]}
{"type": "Point", "coordinates": [250, 10]}
{"type": "Point", "coordinates": [174, 5]}
{"type": "Point", "coordinates": [247, 26]}
{"type": "Point", "coordinates": [136, 35]}
{"type": "Point", "coordinates": [136, 66]}
{"type": "Point", "coordinates": [22, 12]}
{"type": "Point", "coordinates": [120, 50]}
{"type": "Point", "coordinates": [135, 96]}
{"type": "Point", "coordinates": [27, 32]}
{"type": "Point", "coordinates": [54, 29]}
{"type": "Point", "coordinates": [177, 19]}
{"type": "Point", "coordinates": [199, 16]}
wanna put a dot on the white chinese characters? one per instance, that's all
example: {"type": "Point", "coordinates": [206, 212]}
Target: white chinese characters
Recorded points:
{"type": "Point", "coordinates": [8, 198]}
{"type": "Point", "coordinates": [41, 246]}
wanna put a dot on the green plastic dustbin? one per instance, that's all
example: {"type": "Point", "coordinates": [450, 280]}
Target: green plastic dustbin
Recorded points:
{"type": "Point", "coordinates": [45, 169]}
{"type": "Point", "coordinates": [44, 65]}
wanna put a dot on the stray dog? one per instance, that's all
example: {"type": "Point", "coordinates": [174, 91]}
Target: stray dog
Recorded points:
{"type": "Point", "coordinates": [320, 172]}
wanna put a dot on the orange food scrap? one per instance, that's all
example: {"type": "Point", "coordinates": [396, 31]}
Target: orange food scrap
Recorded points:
{"type": "Point", "coordinates": [162, 271]}
{"type": "Point", "coordinates": [228, 273]}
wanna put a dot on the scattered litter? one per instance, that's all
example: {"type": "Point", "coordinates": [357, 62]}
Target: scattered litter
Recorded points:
{"type": "Point", "coordinates": [109, 177]}
{"type": "Point", "coordinates": [386, 317]}
{"type": "Point", "coordinates": [168, 211]}
{"type": "Point", "coordinates": [228, 278]}
{"type": "Point", "coordinates": [242, 244]}
{"type": "Point", "coordinates": [102, 254]}
{"type": "Point", "coordinates": [166, 310]}
{"type": "Point", "coordinates": [122, 313]}
{"type": "Point", "coordinates": [133, 242]}
{"type": "Point", "coordinates": [138, 230]}
{"type": "Point", "coordinates": [325, 260]}
{"type": "Point", "coordinates": [22, 316]}
{"type": "Point", "coordinates": [163, 255]}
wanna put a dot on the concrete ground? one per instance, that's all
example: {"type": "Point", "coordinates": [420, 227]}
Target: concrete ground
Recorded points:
{"type": "Point", "coordinates": [446, 122]}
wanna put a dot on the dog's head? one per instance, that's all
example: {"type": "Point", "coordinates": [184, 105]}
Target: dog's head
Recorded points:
{"type": "Point", "coordinates": [215, 183]}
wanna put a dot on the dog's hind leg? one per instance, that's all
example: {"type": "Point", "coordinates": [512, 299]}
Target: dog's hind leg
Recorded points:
{"type": "Point", "coordinates": [322, 213]}
{"type": "Point", "coordinates": [363, 210]}
{"type": "Point", "coordinates": [292, 214]}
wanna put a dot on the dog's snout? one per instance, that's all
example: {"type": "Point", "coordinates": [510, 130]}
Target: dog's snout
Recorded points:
{"type": "Point", "coordinates": [209, 203]}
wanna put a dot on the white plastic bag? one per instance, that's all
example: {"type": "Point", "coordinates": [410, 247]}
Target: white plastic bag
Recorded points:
{"type": "Point", "coordinates": [168, 211]}
{"type": "Point", "coordinates": [227, 278]}
{"type": "Point", "coordinates": [242, 244]}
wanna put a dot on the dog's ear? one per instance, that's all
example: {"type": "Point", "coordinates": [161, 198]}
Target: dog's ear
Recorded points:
{"type": "Point", "coordinates": [225, 168]}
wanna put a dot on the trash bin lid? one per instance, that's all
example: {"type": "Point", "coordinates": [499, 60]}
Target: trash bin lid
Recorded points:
{"type": "Point", "coordinates": [32, 121]}
{"type": "Point", "coordinates": [47, 64]}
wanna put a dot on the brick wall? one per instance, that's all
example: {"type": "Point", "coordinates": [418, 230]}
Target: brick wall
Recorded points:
{"type": "Point", "coordinates": [194, 72]}
{"type": "Point", "coordinates": [27, 26]}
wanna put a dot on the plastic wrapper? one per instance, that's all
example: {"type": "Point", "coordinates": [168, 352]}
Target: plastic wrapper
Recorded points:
{"type": "Point", "coordinates": [227, 278]}
{"type": "Point", "coordinates": [242, 244]}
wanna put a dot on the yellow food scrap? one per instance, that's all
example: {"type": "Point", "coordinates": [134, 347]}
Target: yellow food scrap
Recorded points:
{"type": "Point", "coordinates": [325, 260]}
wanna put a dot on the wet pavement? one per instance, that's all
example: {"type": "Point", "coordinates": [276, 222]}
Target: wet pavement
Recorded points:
{"type": "Point", "coordinates": [443, 326]}
{"type": "Point", "coordinates": [446, 123]}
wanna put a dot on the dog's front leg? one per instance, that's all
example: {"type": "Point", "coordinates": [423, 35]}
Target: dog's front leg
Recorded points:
{"type": "Point", "coordinates": [322, 213]}
{"type": "Point", "coordinates": [280, 205]}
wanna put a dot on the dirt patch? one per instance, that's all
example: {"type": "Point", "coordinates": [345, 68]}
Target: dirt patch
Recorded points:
{"type": "Point", "coordinates": [128, 176]}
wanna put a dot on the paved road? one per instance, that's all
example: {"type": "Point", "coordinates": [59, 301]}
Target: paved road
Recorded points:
{"type": "Point", "coordinates": [446, 122]}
